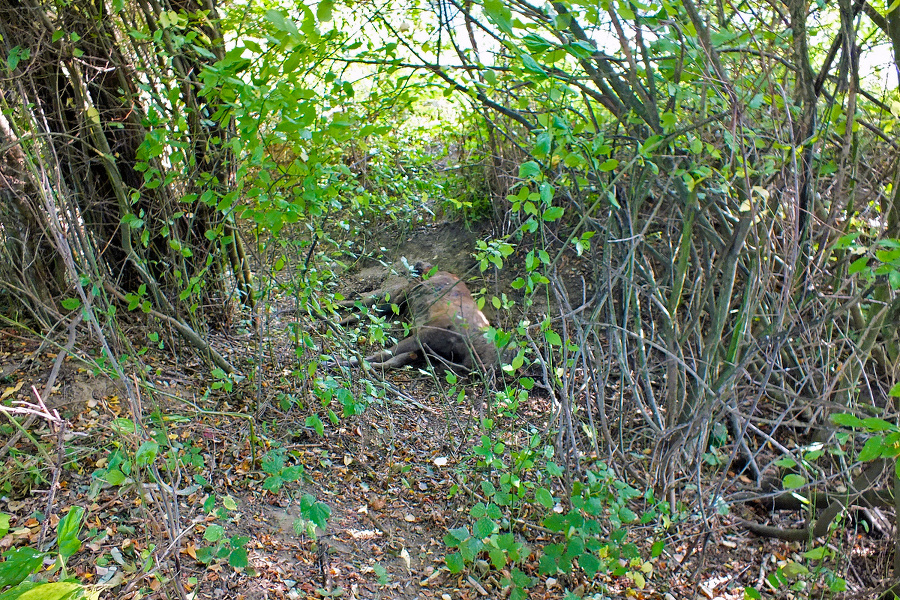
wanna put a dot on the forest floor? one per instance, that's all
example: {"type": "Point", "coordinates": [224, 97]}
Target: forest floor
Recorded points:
{"type": "Point", "coordinates": [389, 477]}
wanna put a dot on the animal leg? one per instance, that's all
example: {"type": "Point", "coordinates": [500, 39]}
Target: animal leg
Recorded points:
{"type": "Point", "coordinates": [405, 352]}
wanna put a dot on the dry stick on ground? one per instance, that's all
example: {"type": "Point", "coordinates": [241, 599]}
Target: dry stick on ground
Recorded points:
{"type": "Point", "coordinates": [54, 372]}
{"type": "Point", "coordinates": [39, 409]}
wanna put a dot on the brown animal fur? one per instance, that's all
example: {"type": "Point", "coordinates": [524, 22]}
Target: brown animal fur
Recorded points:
{"type": "Point", "coordinates": [446, 325]}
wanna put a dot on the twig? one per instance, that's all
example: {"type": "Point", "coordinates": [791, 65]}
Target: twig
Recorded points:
{"type": "Point", "coordinates": [51, 380]}
{"type": "Point", "coordinates": [39, 409]}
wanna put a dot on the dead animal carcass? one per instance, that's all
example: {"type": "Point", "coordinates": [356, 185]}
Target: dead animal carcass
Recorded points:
{"type": "Point", "coordinates": [445, 325]}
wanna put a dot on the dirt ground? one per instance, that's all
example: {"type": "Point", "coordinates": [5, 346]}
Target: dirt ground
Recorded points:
{"type": "Point", "coordinates": [389, 476]}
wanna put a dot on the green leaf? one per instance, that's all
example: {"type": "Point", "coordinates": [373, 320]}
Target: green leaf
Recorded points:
{"type": "Point", "coordinates": [875, 424]}
{"type": "Point", "coordinates": [581, 49]}
{"type": "Point", "coordinates": [238, 558]}
{"type": "Point", "coordinates": [590, 564]}
{"type": "Point", "coordinates": [67, 531]}
{"type": "Point", "coordinates": [498, 557]}
{"type": "Point", "coordinates": [751, 593]}
{"type": "Point", "coordinates": [818, 553]}
{"type": "Point", "coordinates": [122, 425]}
{"type": "Point", "coordinates": [535, 43]}
{"type": "Point", "coordinates": [846, 420]}
{"type": "Point", "coordinates": [847, 241]}
{"type": "Point", "coordinates": [273, 483]}
{"type": "Point", "coordinates": [214, 533]}
{"type": "Point", "coordinates": [315, 511]}
{"type": "Point", "coordinates": [499, 15]}
{"type": "Point", "coordinates": [871, 449]}
{"type": "Point", "coordinates": [146, 454]}
{"type": "Point", "coordinates": [895, 391]}
{"type": "Point", "coordinates": [292, 473]}
{"type": "Point", "coordinates": [18, 564]}
{"type": "Point", "coordinates": [793, 481]}
{"type": "Point", "coordinates": [609, 164]}
{"type": "Point", "coordinates": [456, 536]}
{"type": "Point", "coordinates": [323, 12]}
{"type": "Point", "coordinates": [71, 303]}
{"type": "Point", "coordinates": [60, 590]}
{"type": "Point", "coordinates": [793, 569]}
{"type": "Point", "coordinates": [279, 20]}
{"type": "Point", "coordinates": [455, 562]}
{"type": "Point", "coordinates": [484, 527]}
{"type": "Point", "coordinates": [544, 498]}
{"type": "Point", "coordinates": [532, 66]}
{"type": "Point", "coordinates": [552, 214]}
{"type": "Point", "coordinates": [542, 144]}
{"type": "Point", "coordinates": [316, 423]}
{"type": "Point", "coordinates": [858, 265]}
{"type": "Point", "coordinates": [627, 515]}
{"type": "Point", "coordinates": [115, 477]}
{"type": "Point", "coordinates": [529, 170]}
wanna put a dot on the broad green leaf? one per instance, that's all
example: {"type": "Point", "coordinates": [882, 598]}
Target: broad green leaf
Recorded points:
{"type": "Point", "coordinates": [67, 531]}
{"type": "Point", "coordinates": [552, 214]}
{"type": "Point", "coordinates": [627, 515]}
{"type": "Point", "coordinates": [846, 420]}
{"type": "Point", "coordinates": [323, 12]}
{"type": "Point", "coordinates": [535, 43]}
{"type": "Point", "coordinates": [793, 481]}
{"type": "Point", "coordinates": [71, 303]}
{"type": "Point", "coordinates": [146, 454]}
{"type": "Point", "coordinates": [238, 558]}
{"type": "Point", "coordinates": [18, 564]}
{"type": "Point", "coordinates": [793, 569]}
{"type": "Point", "coordinates": [871, 449]}
{"type": "Point", "coordinates": [122, 425]}
{"type": "Point", "coordinates": [499, 14]}
{"type": "Point", "coordinates": [542, 144]}
{"type": "Point", "coordinates": [115, 477]}
{"type": "Point", "coordinates": [60, 590]}
{"type": "Point", "coordinates": [214, 533]}
{"type": "Point", "coordinates": [484, 527]}
{"type": "Point", "coordinates": [581, 49]}
{"type": "Point", "coordinates": [455, 562]}
{"type": "Point", "coordinates": [544, 498]}
{"type": "Point", "coordinates": [498, 557]}
{"type": "Point", "coordinates": [532, 66]}
{"type": "Point", "coordinates": [319, 514]}
{"type": "Point", "coordinates": [875, 424]}
{"type": "Point", "coordinates": [315, 511]}
{"type": "Point", "coordinates": [609, 164]}
{"type": "Point", "coordinates": [529, 170]}
{"type": "Point", "coordinates": [847, 241]}
{"type": "Point", "coordinates": [456, 536]}
{"type": "Point", "coordinates": [552, 338]}
{"type": "Point", "coordinates": [858, 265]}
{"type": "Point", "coordinates": [316, 423]}
{"type": "Point", "coordinates": [818, 553]}
{"type": "Point", "coordinates": [590, 563]}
